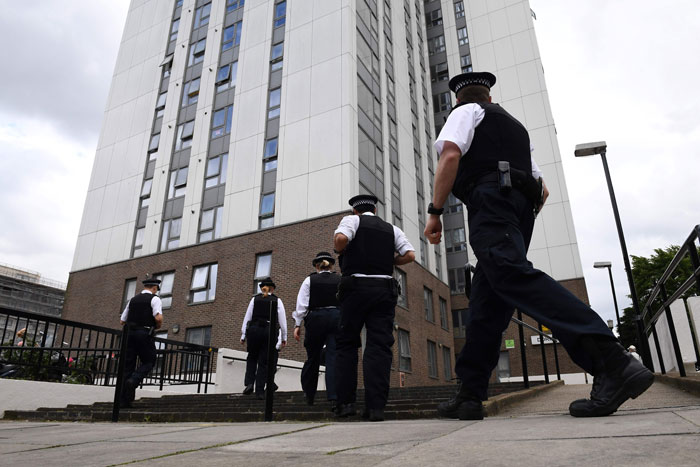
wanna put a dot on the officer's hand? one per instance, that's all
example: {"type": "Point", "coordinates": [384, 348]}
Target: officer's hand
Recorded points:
{"type": "Point", "coordinates": [433, 229]}
{"type": "Point", "coordinates": [284, 344]}
{"type": "Point", "coordinates": [297, 334]}
{"type": "Point", "coordinates": [242, 341]}
{"type": "Point", "coordinates": [545, 193]}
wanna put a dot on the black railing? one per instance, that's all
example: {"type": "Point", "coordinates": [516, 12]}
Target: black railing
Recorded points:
{"type": "Point", "coordinates": [543, 337]}
{"type": "Point", "coordinates": [660, 300]}
{"type": "Point", "coordinates": [46, 348]}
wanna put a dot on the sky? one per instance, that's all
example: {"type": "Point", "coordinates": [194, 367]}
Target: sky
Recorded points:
{"type": "Point", "coordinates": [622, 71]}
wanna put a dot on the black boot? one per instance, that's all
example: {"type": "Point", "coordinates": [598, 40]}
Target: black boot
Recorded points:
{"type": "Point", "coordinates": [464, 406]}
{"type": "Point", "coordinates": [345, 410]}
{"type": "Point", "coordinates": [619, 376]}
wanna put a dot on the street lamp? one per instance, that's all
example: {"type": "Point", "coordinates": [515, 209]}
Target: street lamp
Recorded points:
{"type": "Point", "coordinates": [608, 265]}
{"type": "Point", "coordinates": [590, 149]}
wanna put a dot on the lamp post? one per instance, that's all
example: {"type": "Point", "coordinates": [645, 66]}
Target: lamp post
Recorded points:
{"type": "Point", "coordinates": [608, 265]}
{"type": "Point", "coordinates": [590, 149]}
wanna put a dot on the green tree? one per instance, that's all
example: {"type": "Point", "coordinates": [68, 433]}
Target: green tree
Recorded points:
{"type": "Point", "coordinates": [646, 271]}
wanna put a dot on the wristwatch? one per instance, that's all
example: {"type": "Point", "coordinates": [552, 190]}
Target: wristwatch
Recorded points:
{"type": "Point", "coordinates": [433, 210]}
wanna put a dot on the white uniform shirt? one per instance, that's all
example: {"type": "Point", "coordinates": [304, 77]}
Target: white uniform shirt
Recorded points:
{"type": "Point", "coordinates": [156, 306]}
{"type": "Point", "coordinates": [459, 129]}
{"type": "Point", "coordinates": [303, 300]}
{"type": "Point", "coordinates": [348, 227]}
{"type": "Point", "coordinates": [281, 319]}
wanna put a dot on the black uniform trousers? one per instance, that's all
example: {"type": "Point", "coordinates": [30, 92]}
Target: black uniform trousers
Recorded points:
{"type": "Point", "coordinates": [372, 307]}
{"type": "Point", "coordinates": [500, 229]}
{"type": "Point", "coordinates": [257, 336]}
{"type": "Point", "coordinates": [321, 327]}
{"type": "Point", "coordinates": [142, 345]}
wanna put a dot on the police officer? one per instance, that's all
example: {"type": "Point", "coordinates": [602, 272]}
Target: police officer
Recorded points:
{"type": "Point", "coordinates": [255, 330]}
{"type": "Point", "coordinates": [367, 295]}
{"type": "Point", "coordinates": [143, 314]}
{"type": "Point", "coordinates": [485, 160]}
{"type": "Point", "coordinates": [318, 308]}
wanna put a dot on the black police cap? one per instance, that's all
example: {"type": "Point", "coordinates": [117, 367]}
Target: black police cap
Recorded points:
{"type": "Point", "coordinates": [151, 282]}
{"type": "Point", "coordinates": [481, 78]}
{"type": "Point", "coordinates": [355, 201]}
{"type": "Point", "coordinates": [267, 282]}
{"type": "Point", "coordinates": [321, 256]}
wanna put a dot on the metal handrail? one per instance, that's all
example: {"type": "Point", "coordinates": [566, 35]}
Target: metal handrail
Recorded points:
{"type": "Point", "coordinates": [688, 249]}
{"type": "Point", "coordinates": [279, 365]}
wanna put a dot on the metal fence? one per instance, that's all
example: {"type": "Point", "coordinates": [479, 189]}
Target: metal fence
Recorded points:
{"type": "Point", "coordinates": [45, 348]}
{"type": "Point", "coordinates": [660, 299]}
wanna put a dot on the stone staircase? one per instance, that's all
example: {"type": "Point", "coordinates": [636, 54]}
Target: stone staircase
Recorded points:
{"type": "Point", "coordinates": [404, 404]}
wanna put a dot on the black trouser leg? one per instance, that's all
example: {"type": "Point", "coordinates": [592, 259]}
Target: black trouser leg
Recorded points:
{"type": "Point", "coordinates": [313, 342]}
{"type": "Point", "coordinates": [332, 330]}
{"type": "Point", "coordinates": [500, 229]}
{"type": "Point", "coordinates": [376, 360]}
{"type": "Point", "coordinates": [352, 312]}
{"type": "Point", "coordinates": [251, 363]}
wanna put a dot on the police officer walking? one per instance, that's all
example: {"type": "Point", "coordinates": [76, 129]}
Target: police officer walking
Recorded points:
{"type": "Point", "coordinates": [367, 294]}
{"type": "Point", "coordinates": [485, 160]}
{"type": "Point", "coordinates": [143, 314]}
{"type": "Point", "coordinates": [255, 331]}
{"type": "Point", "coordinates": [318, 308]}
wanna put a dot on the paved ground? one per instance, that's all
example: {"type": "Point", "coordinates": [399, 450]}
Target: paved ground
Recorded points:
{"type": "Point", "coordinates": [662, 427]}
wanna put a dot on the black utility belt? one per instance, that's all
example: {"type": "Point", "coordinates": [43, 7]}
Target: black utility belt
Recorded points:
{"type": "Point", "coordinates": [356, 281]}
{"type": "Point", "coordinates": [518, 179]}
{"type": "Point", "coordinates": [325, 308]}
{"type": "Point", "coordinates": [259, 322]}
{"type": "Point", "coordinates": [139, 327]}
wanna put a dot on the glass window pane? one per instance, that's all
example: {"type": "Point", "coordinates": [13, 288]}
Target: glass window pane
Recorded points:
{"type": "Point", "coordinates": [155, 139]}
{"type": "Point", "coordinates": [187, 129]}
{"type": "Point", "coordinates": [271, 147]}
{"type": "Point", "coordinates": [161, 100]}
{"type": "Point", "coordinates": [229, 118]}
{"type": "Point", "coordinates": [219, 118]}
{"type": "Point", "coordinates": [181, 178]}
{"type": "Point", "coordinates": [175, 226]}
{"type": "Point", "coordinates": [167, 302]}
{"type": "Point", "coordinates": [146, 189]}
{"type": "Point", "coordinates": [234, 73]}
{"type": "Point", "coordinates": [276, 51]}
{"type": "Point", "coordinates": [270, 165]}
{"type": "Point", "coordinates": [274, 113]}
{"type": "Point", "coordinates": [218, 216]}
{"type": "Point", "coordinates": [224, 165]}
{"type": "Point", "coordinates": [237, 39]}
{"type": "Point", "coordinates": [206, 236]}
{"type": "Point", "coordinates": [199, 296]}
{"type": "Point", "coordinates": [199, 277]}
{"type": "Point", "coordinates": [262, 266]}
{"type": "Point", "coordinates": [212, 281]}
{"type": "Point", "coordinates": [267, 205]}
{"type": "Point", "coordinates": [164, 238]}
{"type": "Point", "coordinates": [267, 222]}
{"type": "Point", "coordinates": [207, 219]}
{"type": "Point", "coordinates": [166, 286]}
{"type": "Point", "coordinates": [213, 166]}
{"type": "Point", "coordinates": [275, 97]}
{"type": "Point", "coordinates": [223, 74]}
{"type": "Point", "coordinates": [138, 241]}
{"type": "Point", "coordinates": [277, 65]}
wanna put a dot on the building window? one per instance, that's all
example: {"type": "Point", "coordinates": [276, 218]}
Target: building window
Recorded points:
{"type": "Point", "coordinates": [400, 277]}
{"type": "Point", "coordinates": [453, 204]}
{"type": "Point", "coordinates": [171, 234]}
{"type": "Point", "coordinates": [199, 336]}
{"type": "Point", "coordinates": [459, 10]}
{"type": "Point", "coordinates": [233, 5]}
{"type": "Point", "coordinates": [210, 226]}
{"type": "Point", "coordinates": [201, 16]}
{"type": "Point", "coordinates": [231, 36]}
{"type": "Point", "coordinates": [267, 204]}
{"type": "Point", "coordinates": [428, 304]}
{"type": "Point", "coordinates": [190, 92]}
{"type": "Point", "coordinates": [466, 63]}
{"type": "Point", "coordinates": [459, 323]}
{"type": "Point", "coordinates": [203, 288]}
{"type": "Point", "coordinates": [447, 363]}
{"type": "Point", "coordinates": [276, 56]}
{"type": "Point", "coordinates": [160, 105]}
{"type": "Point", "coordinates": [442, 102]}
{"type": "Point", "coordinates": [185, 132]}
{"type": "Point", "coordinates": [280, 14]}
{"type": "Point", "coordinates": [444, 323]}
{"type": "Point", "coordinates": [129, 292]}
{"type": "Point", "coordinates": [455, 240]}
{"type": "Point", "coordinates": [153, 145]}
{"type": "Point", "coordinates": [433, 18]}
{"type": "Point", "coordinates": [274, 105]}
{"type": "Point", "coordinates": [166, 287]}
{"type": "Point", "coordinates": [462, 38]}
{"type": "Point", "coordinates": [404, 350]}
{"type": "Point", "coordinates": [221, 122]}
{"type": "Point", "coordinates": [457, 280]}
{"type": "Point", "coordinates": [263, 266]}
{"type": "Point", "coordinates": [178, 183]}
{"type": "Point", "coordinates": [439, 72]}
{"type": "Point", "coordinates": [216, 171]}
{"type": "Point", "coordinates": [436, 45]}
{"type": "Point", "coordinates": [138, 240]}
{"type": "Point", "coordinates": [432, 359]}
{"type": "Point", "coordinates": [197, 52]}
{"type": "Point", "coordinates": [174, 28]}
{"type": "Point", "coordinates": [226, 76]}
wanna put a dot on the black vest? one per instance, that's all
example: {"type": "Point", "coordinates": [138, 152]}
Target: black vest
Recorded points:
{"type": "Point", "coordinates": [261, 307]}
{"type": "Point", "coordinates": [499, 137]}
{"type": "Point", "coordinates": [323, 287]}
{"type": "Point", "coordinates": [372, 249]}
{"type": "Point", "coordinates": [140, 311]}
